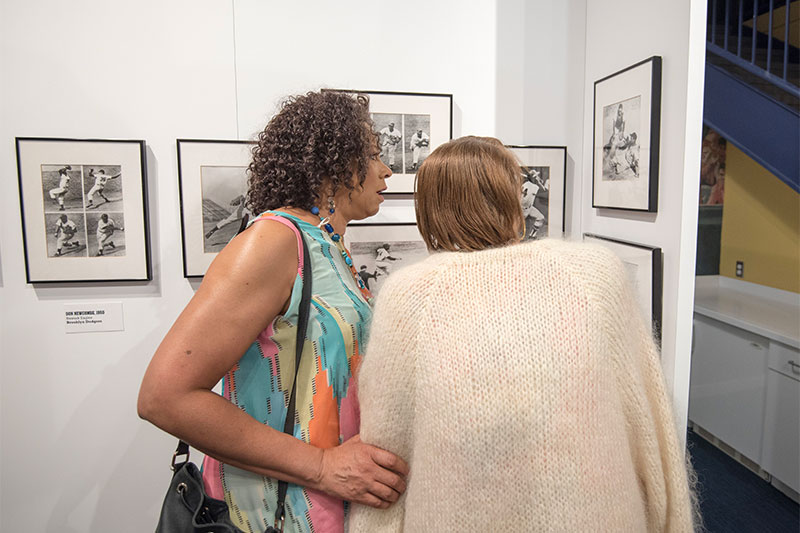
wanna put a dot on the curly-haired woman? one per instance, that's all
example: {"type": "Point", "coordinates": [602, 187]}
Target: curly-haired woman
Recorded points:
{"type": "Point", "coordinates": [317, 158]}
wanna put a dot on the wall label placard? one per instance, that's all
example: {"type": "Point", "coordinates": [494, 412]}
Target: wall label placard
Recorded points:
{"type": "Point", "coordinates": [93, 316]}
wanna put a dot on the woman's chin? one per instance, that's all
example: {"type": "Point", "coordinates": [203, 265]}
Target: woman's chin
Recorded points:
{"type": "Point", "coordinates": [373, 212]}
{"type": "Point", "coordinates": [364, 216]}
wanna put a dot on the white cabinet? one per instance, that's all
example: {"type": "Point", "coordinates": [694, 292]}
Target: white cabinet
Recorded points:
{"type": "Point", "coordinates": [781, 450]}
{"type": "Point", "coordinates": [745, 380]}
{"type": "Point", "coordinates": [728, 384]}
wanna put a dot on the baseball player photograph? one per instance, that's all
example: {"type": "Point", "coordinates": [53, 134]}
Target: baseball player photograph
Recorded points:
{"type": "Point", "coordinates": [535, 201]}
{"type": "Point", "coordinates": [621, 122]}
{"type": "Point", "coordinates": [61, 185]}
{"type": "Point", "coordinates": [66, 235]}
{"type": "Point", "coordinates": [104, 187]}
{"type": "Point", "coordinates": [106, 234]}
{"type": "Point", "coordinates": [224, 192]}
{"type": "Point", "coordinates": [377, 260]}
{"type": "Point", "coordinates": [238, 208]}
{"type": "Point", "coordinates": [366, 275]}
{"type": "Point", "coordinates": [417, 131]}
{"type": "Point", "coordinates": [388, 126]}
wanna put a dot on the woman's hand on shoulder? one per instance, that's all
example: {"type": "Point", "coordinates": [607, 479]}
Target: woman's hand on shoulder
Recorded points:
{"type": "Point", "coordinates": [361, 473]}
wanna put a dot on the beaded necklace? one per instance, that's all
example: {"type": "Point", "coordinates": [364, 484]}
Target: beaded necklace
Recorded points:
{"type": "Point", "coordinates": [325, 223]}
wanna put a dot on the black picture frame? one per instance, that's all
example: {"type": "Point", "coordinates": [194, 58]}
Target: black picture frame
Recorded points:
{"type": "Point", "coordinates": [645, 263]}
{"type": "Point", "coordinates": [422, 111]}
{"type": "Point", "coordinates": [537, 158]}
{"type": "Point", "coordinates": [625, 157]}
{"type": "Point", "coordinates": [100, 187]}
{"type": "Point", "coordinates": [212, 182]}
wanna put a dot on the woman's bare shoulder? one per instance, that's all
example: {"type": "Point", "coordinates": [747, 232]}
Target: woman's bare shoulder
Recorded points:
{"type": "Point", "coordinates": [265, 251]}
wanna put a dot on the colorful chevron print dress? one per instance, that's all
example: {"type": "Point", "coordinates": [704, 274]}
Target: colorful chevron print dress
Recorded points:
{"type": "Point", "coordinates": [327, 404]}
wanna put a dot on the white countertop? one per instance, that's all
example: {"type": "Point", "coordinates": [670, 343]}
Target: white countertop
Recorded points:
{"type": "Point", "coordinates": [765, 311]}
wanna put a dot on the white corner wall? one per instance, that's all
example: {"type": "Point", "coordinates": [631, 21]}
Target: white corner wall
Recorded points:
{"type": "Point", "coordinates": [555, 62]}
{"type": "Point", "coordinates": [541, 56]}
{"type": "Point", "coordinates": [620, 33]}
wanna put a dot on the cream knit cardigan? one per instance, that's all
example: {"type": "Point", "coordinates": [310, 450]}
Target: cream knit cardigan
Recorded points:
{"type": "Point", "coordinates": [524, 389]}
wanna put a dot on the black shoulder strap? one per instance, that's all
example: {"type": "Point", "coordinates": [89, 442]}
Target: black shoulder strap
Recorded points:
{"type": "Point", "coordinates": [302, 325]}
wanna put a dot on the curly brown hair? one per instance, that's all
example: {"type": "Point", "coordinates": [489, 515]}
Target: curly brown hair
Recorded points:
{"type": "Point", "coordinates": [316, 139]}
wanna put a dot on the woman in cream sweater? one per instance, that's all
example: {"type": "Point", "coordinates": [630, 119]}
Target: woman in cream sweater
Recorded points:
{"type": "Point", "coordinates": [518, 380]}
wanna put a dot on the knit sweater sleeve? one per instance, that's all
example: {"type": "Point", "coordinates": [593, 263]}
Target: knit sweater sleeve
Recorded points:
{"type": "Point", "coordinates": [387, 383]}
{"type": "Point", "coordinates": [650, 423]}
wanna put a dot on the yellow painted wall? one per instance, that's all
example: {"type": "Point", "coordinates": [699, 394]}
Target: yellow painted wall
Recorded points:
{"type": "Point", "coordinates": [760, 225]}
{"type": "Point", "coordinates": [779, 22]}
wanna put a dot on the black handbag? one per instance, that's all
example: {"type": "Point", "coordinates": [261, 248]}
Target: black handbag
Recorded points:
{"type": "Point", "coordinates": [187, 508]}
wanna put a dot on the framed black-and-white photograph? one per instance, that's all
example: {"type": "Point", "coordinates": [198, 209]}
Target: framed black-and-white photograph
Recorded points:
{"type": "Point", "coordinates": [410, 126]}
{"type": "Point", "coordinates": [643, 264]}
{"type": "Point", "coordinates": [212, 177]}
{"type": "Point", "coordinates": [544, 177]}
{"type": "Point", "coordinates": [627, 122]}
{"type": "Point", "coordinates": [84, 209]}
{"type": "Point", "coordinates": [378, 250]}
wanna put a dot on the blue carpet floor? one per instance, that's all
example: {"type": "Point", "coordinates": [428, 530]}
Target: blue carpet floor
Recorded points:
{"type": "Point", "coordinates": [733, 499]}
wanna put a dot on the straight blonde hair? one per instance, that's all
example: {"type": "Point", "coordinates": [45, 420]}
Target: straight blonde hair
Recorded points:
{"type": "Point", "coordinates": [469, 196]}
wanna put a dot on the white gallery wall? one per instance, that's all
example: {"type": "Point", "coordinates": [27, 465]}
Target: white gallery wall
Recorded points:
{"type": "Point", "coordinates": [416, 46]}
{"type": "Point", "coordinates": [75, 457]}
{"type": "Point", "coordinates": [73, 454]}
{"type": "Point", "coordinates": [620, 33]}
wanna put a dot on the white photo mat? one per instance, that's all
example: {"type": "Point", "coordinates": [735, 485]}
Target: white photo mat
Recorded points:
{"type": "Point", "coordinates": [357, 233]}
{"type": "Point", "coordinates": [438, 106]}
{"type": "Point", "coordinates": [644, 267]}
{"type": "Point", "coordinates": [633, 184]}
{"type": "Point", "coordinates": [555, 159]}
{"type": "Point", "coordinates": [36, 154]}
{"type": "Point", "coordinates": [393, 210]}
{"type": "Point", "coordinates": [194, 157]}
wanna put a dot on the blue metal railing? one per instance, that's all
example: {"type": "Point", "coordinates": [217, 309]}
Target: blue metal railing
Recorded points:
{"type": "Point", "coordinates": [753, 122]}
{"type": "Point", "coordinates": [750, 60]}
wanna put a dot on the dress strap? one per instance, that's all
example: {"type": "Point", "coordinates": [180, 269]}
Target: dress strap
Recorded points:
{"type": "Point", "coordinates": [286, 222]}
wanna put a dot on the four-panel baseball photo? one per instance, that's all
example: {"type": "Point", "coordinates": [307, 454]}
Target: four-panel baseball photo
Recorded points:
{"type": "Point", "coordinates": [83, 210]}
